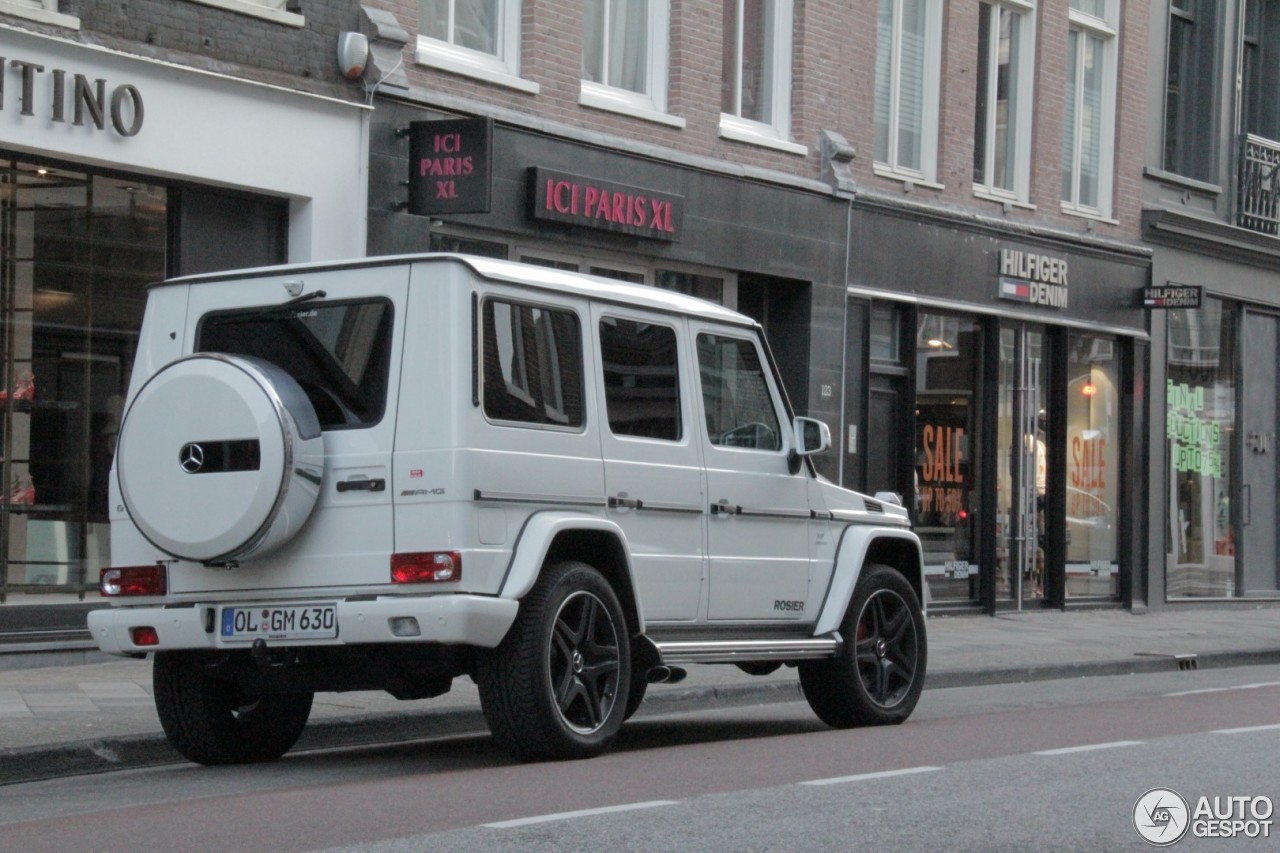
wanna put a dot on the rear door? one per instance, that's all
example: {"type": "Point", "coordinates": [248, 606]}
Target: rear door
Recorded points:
{"type": "Point", "coordinates": [652, 471]}
{"type": "Point", "coordinates": [339, 339]}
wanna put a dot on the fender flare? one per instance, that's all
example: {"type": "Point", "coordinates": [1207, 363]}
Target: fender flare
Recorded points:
{"type": "Point", "coordinates": [851, 555]}
{"type": "Point", "coordinates": [533, 545]}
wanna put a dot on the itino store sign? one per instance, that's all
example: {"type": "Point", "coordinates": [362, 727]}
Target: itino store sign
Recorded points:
{"type": "Point", "coordinates": [69, 97]}
{"type": "Point", "coordinates": [1033, 279]}
{"type": "Point", "coordinates": [591, 203]}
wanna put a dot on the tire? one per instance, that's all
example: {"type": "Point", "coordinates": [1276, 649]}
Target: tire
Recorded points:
{"type": "Point", "coordinates": [557, 685]}
{"type": "Point", "coordinates": [635, 696]}
{"type": "Point", "coordinates": [877, 677]}
{"type": "Point", "coordinates": [213, 722]}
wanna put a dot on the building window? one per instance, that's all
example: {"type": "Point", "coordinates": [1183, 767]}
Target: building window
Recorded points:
{"type": "Point", "coordinates": [45, 11]}
{"type": "Point", "coordinates": [1093, 466]}
{"type": "Point", "coordinates": [755, 87]}
{"type": "Point", "coordinates": [624, 54]}
{"type": "Point", "coordinates": [1200, 414]}
{"type": "Point", "coordinates": [908, 49]}
{"type": "Point", "coordinates": [477, 38]}
{"type": "Point", "coordinates": [1260, 68]}
{"type": "Point", "coordinates": [1190, 90]}
{"type": "Point", "coordinates": [271, 10]}
{"type": "Point", "coordinates": [1089, 121]}
{"type": "Point", "coordinates": [1002, 118]}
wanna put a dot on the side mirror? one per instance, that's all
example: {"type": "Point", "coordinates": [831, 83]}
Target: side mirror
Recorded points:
{"type": "Point", "coordinates": [811, 437]}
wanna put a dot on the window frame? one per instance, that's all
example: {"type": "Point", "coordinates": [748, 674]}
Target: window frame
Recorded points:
{"type": "Point", "coordinates": [1104, 31]}
{"type": "Point", "coordinates": [650, 104]}
{"type": "Point", "coordinates": [44, 11]}
{"type": "Point", "coordinates": [1022, 80]}
{"type": "Point", "coordinates": [1194, 156]}
{"type": "Point", "coordinates": [501, 68]}
{"type": "Point", "coordinates": [775, 133]}
{"type": "Point", "coordinates": [271, 10]}
{"type": "Point", "coordinates": [931, 71]}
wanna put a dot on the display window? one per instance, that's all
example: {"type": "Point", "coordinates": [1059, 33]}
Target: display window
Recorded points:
{"type": "Point", "coordinates": [76, 252]}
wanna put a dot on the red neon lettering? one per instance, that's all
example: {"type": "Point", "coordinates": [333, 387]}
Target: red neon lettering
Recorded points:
{"type": "Point", "coordinates": [448, 143]}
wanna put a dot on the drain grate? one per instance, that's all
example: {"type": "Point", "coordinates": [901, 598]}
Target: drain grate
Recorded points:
{"type": "Point", "coordinates": [1187, 662]}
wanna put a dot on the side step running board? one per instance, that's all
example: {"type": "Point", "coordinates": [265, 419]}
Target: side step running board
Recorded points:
{"type": "Point", "coordinates": [742, 651]}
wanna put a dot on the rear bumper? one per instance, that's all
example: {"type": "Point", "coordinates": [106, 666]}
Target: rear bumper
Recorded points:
{"type": "Point", "coordinates": [473, 620]}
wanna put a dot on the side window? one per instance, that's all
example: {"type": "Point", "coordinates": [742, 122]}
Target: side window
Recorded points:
{"type": "Point", "coordinates": [532, 363]}
{"type": "Point", "coordinates": [641, 381]}
{"type": "Point", "coordinates": [736, 395]}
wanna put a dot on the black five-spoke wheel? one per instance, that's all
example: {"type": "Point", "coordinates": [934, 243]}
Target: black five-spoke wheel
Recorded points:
{"type": "Point", "coordinates": [887, 648]}
{"type": "Point", "coordinates": [584, 662]}
{"type": "Point", "coordinates": [878, 675]}
{"type": "Point", "coordinates": [557, 686]}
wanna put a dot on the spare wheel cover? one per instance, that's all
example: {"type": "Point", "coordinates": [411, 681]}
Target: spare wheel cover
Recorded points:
{"type": "Point", "coordinates": [220, 458]}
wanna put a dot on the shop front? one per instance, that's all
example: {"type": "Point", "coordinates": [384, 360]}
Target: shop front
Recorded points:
{"type": "Point", "coordinates": [116, 172]}
{"type": "Point", "coordinates": [770, 247]}
{"type": "Point", "coordinates": [1004, 371]}
{"type": "Point", "coordinates": [1216, 481]}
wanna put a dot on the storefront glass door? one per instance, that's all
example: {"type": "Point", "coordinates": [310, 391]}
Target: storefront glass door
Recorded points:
{"type": "Point", "coordinates": [948, 353]}
{"type": "Point", "coordinates": [1021, 463]}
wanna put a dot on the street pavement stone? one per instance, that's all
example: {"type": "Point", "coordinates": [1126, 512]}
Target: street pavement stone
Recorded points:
{"type": "Point", "coordinates": [102, 706]}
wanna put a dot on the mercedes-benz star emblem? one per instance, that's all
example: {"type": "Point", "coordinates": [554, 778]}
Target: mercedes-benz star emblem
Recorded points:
{"type": "Point", "coordinates": [191, 458]}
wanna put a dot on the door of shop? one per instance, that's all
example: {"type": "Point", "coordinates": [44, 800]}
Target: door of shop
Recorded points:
{"type": "Point", "coordinates": [1258, 563]}
{"type": "Point", "coordinates": [1022, 464]}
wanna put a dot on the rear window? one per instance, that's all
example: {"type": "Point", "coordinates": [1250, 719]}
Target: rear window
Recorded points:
{"type": "Point", "coordinates": [339, 352]}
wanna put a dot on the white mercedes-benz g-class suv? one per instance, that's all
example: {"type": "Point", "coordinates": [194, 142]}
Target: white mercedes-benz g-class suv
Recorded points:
{"type": "Point", "coordinates": [388, 473]}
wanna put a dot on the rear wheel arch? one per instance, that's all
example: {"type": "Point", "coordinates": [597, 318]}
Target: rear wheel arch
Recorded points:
{"type": "Point", "coordinates": [607, 554]}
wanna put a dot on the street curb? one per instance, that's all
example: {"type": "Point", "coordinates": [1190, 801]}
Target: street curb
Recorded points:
{"type": "Point", "coordinates": [53, 761]}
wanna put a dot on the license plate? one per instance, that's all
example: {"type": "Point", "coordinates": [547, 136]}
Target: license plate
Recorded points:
{"type": "Point", "coordinates": [276, 622]}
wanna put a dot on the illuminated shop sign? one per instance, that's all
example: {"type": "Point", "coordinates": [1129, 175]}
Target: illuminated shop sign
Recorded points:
{"type": "Point", "coordinates": [1034, 279]}
{"type": "Point", "coordinates": [450, 164]}
{"type": "Point", "coordinates": [575, 200]}
{"type": "Point", "coordinates": [69, 98]}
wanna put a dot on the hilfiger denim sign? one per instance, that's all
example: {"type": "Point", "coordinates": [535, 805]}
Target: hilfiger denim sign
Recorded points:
{"type": "Point", "coordinates": [592, 203]}
{"type": "Point", "coordinates": [64, 97]}
{"type": "Point", "coordinates": [1032, 278]}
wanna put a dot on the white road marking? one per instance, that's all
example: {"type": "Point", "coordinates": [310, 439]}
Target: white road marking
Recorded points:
{"type": "Point", "coordinates": [548, 818]}
{"type": "Point", "coordinates": [1066, 750]}
{"type": "Point", "coordinates": [862, 777]}
{"type": "Point", "coordinates": [1246, 729]}
{"type": "Point", "coordinates": [1225, 689]}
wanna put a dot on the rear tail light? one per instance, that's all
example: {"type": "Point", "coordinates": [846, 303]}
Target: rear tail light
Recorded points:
{"type": "Point", "coordinates": [426, 567]}
{"type": "Point", "coordinates": [133, 580]}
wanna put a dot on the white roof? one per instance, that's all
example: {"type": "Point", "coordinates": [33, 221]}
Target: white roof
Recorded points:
{"type": "Point", "coordinates": [529, 275]}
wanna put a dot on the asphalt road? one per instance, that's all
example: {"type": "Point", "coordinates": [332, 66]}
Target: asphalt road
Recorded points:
{"type": "Point", "coordinates": [1045, 765]}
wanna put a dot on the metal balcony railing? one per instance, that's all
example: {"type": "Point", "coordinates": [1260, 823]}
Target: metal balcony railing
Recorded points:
{"type": "Point", "coordinates": [1258, 206]}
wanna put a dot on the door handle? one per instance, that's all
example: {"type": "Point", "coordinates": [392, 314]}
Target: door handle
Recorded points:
{"type": "Point", "coordinates": [725, 508]}
{"type": "Point", "coordinates": [622, 502]}
{"type": "Point", "coordinates": [375, 485]}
